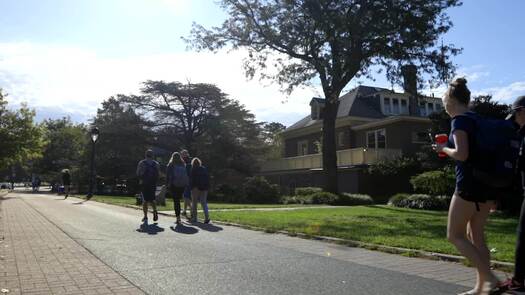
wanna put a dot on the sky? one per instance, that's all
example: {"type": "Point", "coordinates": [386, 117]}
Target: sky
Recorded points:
{"type": "Point", "coordinates": [64, 57]}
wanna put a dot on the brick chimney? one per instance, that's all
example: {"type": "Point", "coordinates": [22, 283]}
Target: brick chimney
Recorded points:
{"type": "Point", "coordinates": [410, 86]}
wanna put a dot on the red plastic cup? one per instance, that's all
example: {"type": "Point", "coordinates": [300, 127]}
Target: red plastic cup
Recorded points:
{"type": "Point", "coordinates": [441, 139]}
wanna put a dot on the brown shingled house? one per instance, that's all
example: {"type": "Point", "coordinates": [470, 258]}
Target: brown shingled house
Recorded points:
{"type": "Point", "coordinates": [372, 123]}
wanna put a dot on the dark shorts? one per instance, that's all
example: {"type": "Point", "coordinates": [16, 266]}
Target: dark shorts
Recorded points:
{"type": "Point", "coordinates": [480, 193]}
{"type": "Point", "coordinates": [148, 192]}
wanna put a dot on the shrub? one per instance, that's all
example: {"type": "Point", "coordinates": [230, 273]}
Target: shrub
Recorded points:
{"type": "Point", "coordinates": [323, 198]}
{"type": "Point", "coordinates": [258, 190]}
{"type": "Point", "coordinates": [438, 182]}
{"type": "Point", "coordinates": [386, 167]}
{"type": "Point", "coordinates": [309, 190]}
{"type": "Point", "coordinates": [420, 201]}
{"type": "Point", "coordinates": [304, 200]}
{"type": "Point", "coordinates": [354, 199]}
{"type": "Point", "coordinates": [227, 193]}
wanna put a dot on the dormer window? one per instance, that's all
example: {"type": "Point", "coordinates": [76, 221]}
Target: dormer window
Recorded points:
{"type": "Point", "coordinates": [316, 109]}
{"type": "Point", "coordinates": [395, 106]}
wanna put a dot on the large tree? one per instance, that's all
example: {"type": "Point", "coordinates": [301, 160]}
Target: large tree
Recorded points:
{"type": "Point", "coordinates": [334, 40]}
{"type": "Point", "coordinates": [124, 136]}
{"type": "Point", "coordinates": [65, 148]}
{"type": "Point", "coordinates": [178, 109]}
{"type": "Point", "coordinates": [21, 139]}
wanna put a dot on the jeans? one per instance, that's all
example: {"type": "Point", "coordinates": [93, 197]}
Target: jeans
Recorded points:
{"type": "Point", "coordinates": [519, 270]}
{"type": "Point", "coordinates": [199, 196]}
{"type": "Point", "coordinates": [176, 193]}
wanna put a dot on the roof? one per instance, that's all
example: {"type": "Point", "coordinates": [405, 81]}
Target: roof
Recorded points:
{"type": "Point", "coordinates": [359, 102]}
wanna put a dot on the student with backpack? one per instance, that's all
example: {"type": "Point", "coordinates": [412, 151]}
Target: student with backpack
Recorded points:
{"type": "Point", "coordinates": [148, 173]}
{"type": "Point", "coordinates": [200, 184]}
{"type": "Point", "coordinates": [177, 180]}
{"type": "Point", "coordinates": [516, 284]}
{"type": "Point", "coordinates": [472, 199]}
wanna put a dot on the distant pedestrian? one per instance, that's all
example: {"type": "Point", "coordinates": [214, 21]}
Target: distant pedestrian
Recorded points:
{"type": "Point", "coordinates": [187, 190]}
{"type": "Point", "coordinates": [516, 284]}
{"type": "Point", "coordinates": [177, 180]}
{"type": "Point", "coordinates": [66, 181]}
{"type": "Point", "coordinates": [148, 173]}
{"type": "Point", "coordinates": [200, 184]}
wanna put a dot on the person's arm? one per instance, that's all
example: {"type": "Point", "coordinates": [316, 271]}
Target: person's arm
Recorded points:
{"type": "Point", "coordinates": [460, 152]}
{"type": "Point", "coordinates": [139, 169]}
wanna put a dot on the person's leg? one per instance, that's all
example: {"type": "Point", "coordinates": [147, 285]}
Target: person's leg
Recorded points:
{"type": "Point", "coordinates": [145, 209]}
{"type": "Point", "coordinates": [477, 237]}
{"type": "Point", "coordinates": [519, 270]}
{"type": "Point", "coordinates": [194, 200]}
{"type": "Point", "coordinates": [460, 213]}
{"type": "Point", "coordinates": [203, 197]}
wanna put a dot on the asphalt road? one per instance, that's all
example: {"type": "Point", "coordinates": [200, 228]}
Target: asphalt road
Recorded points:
{"type": "Point", "coordinates": [215, 259]}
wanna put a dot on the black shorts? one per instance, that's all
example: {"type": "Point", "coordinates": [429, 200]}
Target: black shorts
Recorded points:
{"type": "Point", "coordinates": [479, 192]}
{"type": "Point", "coordinates": [148, 192]}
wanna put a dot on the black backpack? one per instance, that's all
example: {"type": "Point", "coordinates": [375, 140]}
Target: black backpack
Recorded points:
{"type": "Point", "coordinates": [151, 173]}
{"type": "Point", "coordinates": [496, 151]}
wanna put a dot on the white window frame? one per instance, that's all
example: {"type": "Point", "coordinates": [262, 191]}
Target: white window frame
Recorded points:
{"type": "Point", "coordinates": [391, 105]}
{"type": "Point", "coordinates": [375, 138]}
{"type": "Point", "coordinates": [301, 144]}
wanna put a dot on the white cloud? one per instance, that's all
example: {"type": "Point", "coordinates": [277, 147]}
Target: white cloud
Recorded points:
{"type": "Point", "coordinates": [78, 80]}
{"type": "Point", "coordinates": [507, 93]}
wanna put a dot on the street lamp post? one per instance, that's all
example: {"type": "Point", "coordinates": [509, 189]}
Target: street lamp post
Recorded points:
{"type": "Point", "coordinates": [94, 137]}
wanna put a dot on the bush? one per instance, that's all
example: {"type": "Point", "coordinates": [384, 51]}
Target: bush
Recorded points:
{"type": "Point", "coordinates": [354, 199]}
{"type": "Point", "coordinates": [323, 198]}
{"type": "Point", "coordinates": [304, 200]}
{"type": "Point", "coordinates": [258, 190]}
{"type": "Point", "coordinates": [227, 193]}
{"type": "Point", "coordinates": [420, 201]}
{"type": "Point", "coordinates": [386, 167]}
{"type": "Point", "coordinates": [438, 182]}
{"type": "Point", "coordinates": [309, 190]}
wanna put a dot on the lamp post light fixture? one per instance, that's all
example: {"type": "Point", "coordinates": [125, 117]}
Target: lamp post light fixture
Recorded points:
{"type": "Point", "coordinates": [94, 136]}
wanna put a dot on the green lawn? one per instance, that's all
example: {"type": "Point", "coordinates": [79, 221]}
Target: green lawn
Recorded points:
{"type": "Point", "coordinates": [121, 200]}
{"type": "Point", "coordinates": [407, 228]}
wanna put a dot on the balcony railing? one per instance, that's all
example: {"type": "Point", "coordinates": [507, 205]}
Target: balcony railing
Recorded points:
{"type": "Point", "coordinates": [347, 157]}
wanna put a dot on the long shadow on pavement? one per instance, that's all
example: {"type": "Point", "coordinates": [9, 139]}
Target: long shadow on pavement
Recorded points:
{"type": "Point", "coordinates": [208, 227]}
{"type": "Point", "coordinates": [150, 229]}
{"type": "Point", "coordinates": [180, 228]}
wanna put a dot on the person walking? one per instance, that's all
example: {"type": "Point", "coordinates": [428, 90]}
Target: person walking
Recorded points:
{"type": "Point", "coordinates": [200, 184]}
{"type": "Point", "coordinates": [187, 190]}
{"type": "Point", "coordinates": [472, 200]}
{"type": "Point", "coordinates": [66, 182]}
{"type": "Point", "coordinates": [148, 173]}
{"type": "Point", "coordinates": [516, 284]}
{"type": "Point", "coordinates": [177, 180]}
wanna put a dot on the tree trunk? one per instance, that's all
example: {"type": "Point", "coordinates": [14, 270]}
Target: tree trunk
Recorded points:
{"type": "Point", "coordinates": [328, 147]}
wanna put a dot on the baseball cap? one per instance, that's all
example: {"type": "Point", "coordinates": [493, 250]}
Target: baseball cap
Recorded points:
{"type": "Point", "coordinates": [519, 103]}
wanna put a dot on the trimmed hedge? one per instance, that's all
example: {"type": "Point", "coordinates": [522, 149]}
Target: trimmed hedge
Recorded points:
{"type": "Point", "coordinates": [354, 199]}
{"type": "Point", "coordinates": [308, 190]}
{"type": "Point", "coordinates": [304, 200]}
{"type": "Point", "coordinates": [323, 198]}
{"type": "Point", "coordinates": [434, 183]}
{"type": "Point", "coordinates": [420, 201]}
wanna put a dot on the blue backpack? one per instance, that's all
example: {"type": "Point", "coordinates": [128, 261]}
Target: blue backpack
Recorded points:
{"type": "Point", "coordinates": [495, 152]}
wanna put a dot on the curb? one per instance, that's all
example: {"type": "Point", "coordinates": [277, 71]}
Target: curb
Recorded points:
{"type": "Point", "coordinates": [500, 265]}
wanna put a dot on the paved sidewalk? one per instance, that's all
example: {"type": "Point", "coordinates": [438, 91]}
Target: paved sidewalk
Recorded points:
{"type": "Point", "coordinates": [36, 257]}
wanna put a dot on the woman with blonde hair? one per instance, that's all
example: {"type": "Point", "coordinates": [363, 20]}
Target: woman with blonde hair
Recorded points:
{"type": "Point", "coordinates": [472, 199]}
{"type": "Point", "coordinates": [177, 179]}
{"type": "Point", "coordinates": [200, 184]}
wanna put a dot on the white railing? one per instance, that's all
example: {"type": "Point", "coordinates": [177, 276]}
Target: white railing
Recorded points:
{"type": "Point", "coordinates": [347, 157]}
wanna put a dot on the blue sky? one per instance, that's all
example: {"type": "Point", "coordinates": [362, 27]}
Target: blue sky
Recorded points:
{"type": "Point", "coordinates": [64, 57]}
